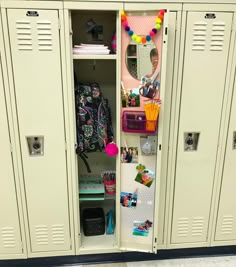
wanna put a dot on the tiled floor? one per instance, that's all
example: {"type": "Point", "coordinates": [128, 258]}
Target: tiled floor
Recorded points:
{"type": "Point", "coordinates": [228, 261]}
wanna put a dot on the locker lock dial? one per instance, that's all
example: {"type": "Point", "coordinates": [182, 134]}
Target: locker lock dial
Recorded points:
{"type": "Point", "coordinates": [35, 145]}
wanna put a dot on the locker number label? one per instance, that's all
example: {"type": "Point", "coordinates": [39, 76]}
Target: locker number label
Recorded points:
{"type": "Point", "coordinates": [210, 16]}
{"type": "Point", "coordinates": [32, 13]}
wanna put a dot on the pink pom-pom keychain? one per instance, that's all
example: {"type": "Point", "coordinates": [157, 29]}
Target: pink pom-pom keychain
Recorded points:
{"type": "Point", "coordinates": [111, 149]}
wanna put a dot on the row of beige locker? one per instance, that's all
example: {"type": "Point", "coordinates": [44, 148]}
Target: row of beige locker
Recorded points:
{"type": "Point", "coordinates": [198, 203]}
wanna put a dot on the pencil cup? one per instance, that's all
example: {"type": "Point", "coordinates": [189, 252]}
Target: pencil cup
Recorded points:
{"type": "Point", "coordinates": [110, 187]}
{"type": "Point", "coordinates": [109, 180]}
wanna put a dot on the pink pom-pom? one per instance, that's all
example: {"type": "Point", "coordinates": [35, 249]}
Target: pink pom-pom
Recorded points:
{"type": "Point", "coordinates": [162, 12]}
{"type": "Point", "coordinates": [151, 33]}
{"type": "Point", "coordinates": [125, 23]}
{"type": "Point", "coordinates": [111, 149]}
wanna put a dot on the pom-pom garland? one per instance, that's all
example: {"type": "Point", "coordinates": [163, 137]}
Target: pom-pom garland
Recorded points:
{"type": "Point", "coordinates": [147, 38]}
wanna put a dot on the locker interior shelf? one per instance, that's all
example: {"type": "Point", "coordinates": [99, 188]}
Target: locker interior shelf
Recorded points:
{"type": "Point", "coordinates": [106, 57]}
{"type": "Point", "coordinates": [97, 242]}
{"type": "Point", "coordinates": [91, 188]}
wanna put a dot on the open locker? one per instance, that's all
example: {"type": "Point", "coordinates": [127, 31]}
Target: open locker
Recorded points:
{"type": "Point", "coordinates": [97, 27]}
{"type": "Point", "coordinates": [94, 71]}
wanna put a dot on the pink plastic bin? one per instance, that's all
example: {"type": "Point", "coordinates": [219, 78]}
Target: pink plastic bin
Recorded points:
{"type": "Point", "coordinates": [135, 122]}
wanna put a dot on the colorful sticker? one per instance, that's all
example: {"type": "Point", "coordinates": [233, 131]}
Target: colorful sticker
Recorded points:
{"type": "Point", "coordinates": [128, 200]}
{"type": "Point", "coordinates": [141, 228]}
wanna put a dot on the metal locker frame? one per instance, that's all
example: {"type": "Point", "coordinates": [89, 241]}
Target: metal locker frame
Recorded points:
{"type": "Point", "coordinates": [12, 150]}
{"type": "Point", "coordinates": [175, 118]}
{"type": "Point", "coordinates": [44, 5]}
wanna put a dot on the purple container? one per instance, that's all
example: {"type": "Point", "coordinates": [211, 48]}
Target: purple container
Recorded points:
{"type": "Point", "coordinates": [135, 122]}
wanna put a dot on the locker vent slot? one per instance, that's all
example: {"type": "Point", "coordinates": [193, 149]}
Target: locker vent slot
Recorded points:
{"type": "Point", "coordinates": [197, 226]}
{"type": "Point", "coordinates": [41, 232]}
{"type": "Point", "coordinates": [227, 225]}
{"type": "Point", "coordinates": [199, 36]}
{"type": "Point", "coordinates": [8, 237]}
{"type": "Point", "coordinates": [183, 227]}
{"type": "Point", "coordinates": [217, 36]}
{"type": "Point", "coordinates": [24, 35]}
{"type": "Point", "coordinates": [58, 236]}
{"type": "Point", "coordinates": [44, 30]}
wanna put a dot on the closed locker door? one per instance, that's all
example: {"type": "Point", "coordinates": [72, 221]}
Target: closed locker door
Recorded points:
{"type": "Point", "coordinates": [10, 233]}
{"type": "Point", "coordinates": [35, 48]}
{"type": "Point", "coordinates": [205, 63]}
{"type": "Point", "coordinates": [226, 220]}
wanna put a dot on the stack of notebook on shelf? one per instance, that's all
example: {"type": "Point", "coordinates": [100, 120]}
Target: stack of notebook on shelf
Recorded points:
{"type": "Point", "coordinates": [91, 49]}
{"type": "Point", "coordinates": [91, 188]}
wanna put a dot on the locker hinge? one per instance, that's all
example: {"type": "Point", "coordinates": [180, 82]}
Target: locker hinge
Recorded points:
{"type": "Point", "coordinates": [59, 24]}
{"type": "Point", "coordinates": [160, 147]}
{"type": "Point", "coordinates": [22, 247]}
{"type": "Point", "coordinates": [166, 30]}
{"type": "Point", "coordinates": [232, 27]}
{"type": "Point", "coordinates": [11, 148]}
{"type": "Point", "coordinates": [66, 146]}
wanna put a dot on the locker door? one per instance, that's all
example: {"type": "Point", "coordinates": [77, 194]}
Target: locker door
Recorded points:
{"type": "Point", "coordinates": [205, 62]}
{"type": "Point", "coordinates": [226, 221]}
{"type": "Point", "coordinates": [10, 233]}
{"type": "Point", "coordinates": [35, 48]}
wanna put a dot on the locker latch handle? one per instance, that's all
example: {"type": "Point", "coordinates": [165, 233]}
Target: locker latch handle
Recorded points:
{"type": "Point", "coordinates": [35, 145]}
{"type": "Point", "coordinates": [191, 141]}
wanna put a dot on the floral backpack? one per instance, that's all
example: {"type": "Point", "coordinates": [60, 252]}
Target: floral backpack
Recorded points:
{"type": "Point", "coordinates": [93, 119]}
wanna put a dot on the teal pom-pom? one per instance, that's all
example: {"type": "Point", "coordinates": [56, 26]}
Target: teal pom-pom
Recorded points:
{"type": "Point", "coordinates": [130, 33]}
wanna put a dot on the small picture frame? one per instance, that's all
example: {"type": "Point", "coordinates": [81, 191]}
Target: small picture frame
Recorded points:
{"type": "Point", "coordinates": [128, 200]}
{"type": "Point", "coordinates": [129, 155]}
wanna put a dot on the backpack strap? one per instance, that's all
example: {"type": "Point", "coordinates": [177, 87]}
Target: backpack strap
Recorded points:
{"type": "Point", "coordinates": [84, 158]}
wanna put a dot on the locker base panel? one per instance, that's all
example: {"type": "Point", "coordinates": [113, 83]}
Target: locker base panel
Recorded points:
{"type": "Point", "coordinates": [120, 257]}
{"type": "Point", "coordinates": [97, 242]}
